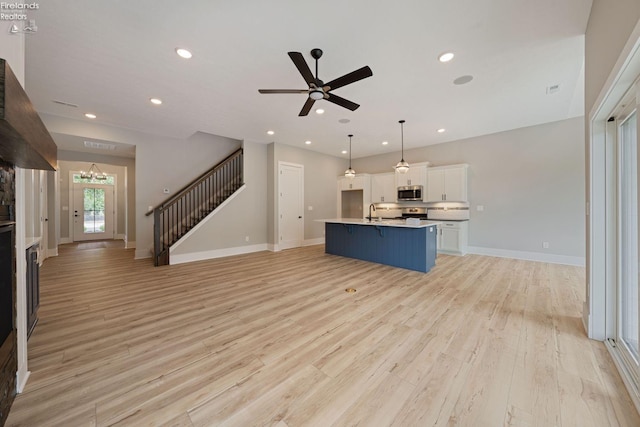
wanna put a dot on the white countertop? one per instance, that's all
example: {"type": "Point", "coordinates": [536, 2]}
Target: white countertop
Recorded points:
{"type": "Point", "coordinates": [380, 223]}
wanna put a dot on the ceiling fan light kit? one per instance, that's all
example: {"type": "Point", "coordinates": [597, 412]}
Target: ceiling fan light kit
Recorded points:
{"type": "Point", "coordinates": [317, 89]}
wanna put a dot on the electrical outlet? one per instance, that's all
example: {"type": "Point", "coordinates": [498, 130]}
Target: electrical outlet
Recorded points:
{"type": "Point", "coordinates": [545, 245]}
{"type": "Point", "coordinates": [480, 208]}
{"type": "Point", "coordinates": [246, 238]}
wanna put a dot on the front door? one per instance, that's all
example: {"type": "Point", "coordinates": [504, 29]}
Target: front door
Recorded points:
{"type": "Point", "coordinates": [92, 212]}
{"type": "Point", "coordinates": [291, 205]}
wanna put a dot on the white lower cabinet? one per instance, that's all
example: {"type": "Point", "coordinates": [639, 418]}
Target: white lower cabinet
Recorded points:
{"type": "Point", "coordinates": [453, 237]}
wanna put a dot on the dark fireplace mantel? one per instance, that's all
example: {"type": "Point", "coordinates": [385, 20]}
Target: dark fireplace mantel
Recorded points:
{"type": "Point", "coordinates": [24, 140]}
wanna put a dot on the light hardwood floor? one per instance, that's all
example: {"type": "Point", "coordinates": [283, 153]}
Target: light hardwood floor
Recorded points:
{"type": "Point", "coordinates": [273, 339]}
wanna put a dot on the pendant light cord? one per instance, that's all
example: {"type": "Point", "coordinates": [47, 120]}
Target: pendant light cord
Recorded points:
{"type": "Point", "coordinates": [350, 151]}
{"type": "Point", "coordinates": [402, 138]}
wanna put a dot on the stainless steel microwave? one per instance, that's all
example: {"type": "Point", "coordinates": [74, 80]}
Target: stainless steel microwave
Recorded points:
{"type": "Point", "coordinates": [410, 192]}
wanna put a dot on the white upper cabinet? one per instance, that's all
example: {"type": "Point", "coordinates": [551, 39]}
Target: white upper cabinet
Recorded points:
{"type": "Point", "coordinates": [358, 182]}
{"type": "Point", "coordinates": [383, 188]}
{"type": "Point", "coordinates": [447, 183]}
{"type": "Point", "coordinates": [417, 175]}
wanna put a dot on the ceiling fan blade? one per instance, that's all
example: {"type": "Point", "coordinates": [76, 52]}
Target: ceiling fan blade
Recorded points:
{"type": "Point", "coordinates": [341, 102]}
{"type": "Point", "coordinates": [307, 107]}
{"type": "Point", "coordinates": [353, 76]}
{"type": "Point", "coordinates": [283, 90]}
{"type": "Point", "coordinates": [302, 66]}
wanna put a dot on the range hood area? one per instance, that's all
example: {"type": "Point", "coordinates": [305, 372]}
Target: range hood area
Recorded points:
{"type": "Point", "coordinates": [24, 140]}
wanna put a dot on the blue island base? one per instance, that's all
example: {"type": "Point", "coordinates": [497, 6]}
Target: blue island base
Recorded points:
{"type": "Point", "coordinates": [404, 247]}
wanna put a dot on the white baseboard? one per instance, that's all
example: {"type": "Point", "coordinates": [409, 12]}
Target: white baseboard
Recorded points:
{"type": "Point", "coordinates": [273, 247]}
{"type": "Point", "coordinates": [130, 245]}
{"type": "Point", "coordinates": [215, 253]}
{"type": "Point", "coordinates": [312, 242]}
{"type": "Point", "coordinates": [120, 236]}
{"type": "Point", "coordinates": [528, 256]}
{"type": "Point", "coordinates": [65, 240]}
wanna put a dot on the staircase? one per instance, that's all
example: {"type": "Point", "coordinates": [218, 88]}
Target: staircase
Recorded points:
{"type": "Point", "coordinates": [173, 218]}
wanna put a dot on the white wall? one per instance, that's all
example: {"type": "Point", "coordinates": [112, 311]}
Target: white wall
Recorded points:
{"type": "Point", "coordinates": [320, 179]}
{"type": "Point", "coordinates": [244, 216]}
{"type": "Point", "coordinates": [530, 182]}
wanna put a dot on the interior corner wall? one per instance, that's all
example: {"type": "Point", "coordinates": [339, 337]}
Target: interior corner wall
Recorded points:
{"type": "Point", "coordinates": [243, 217]}
{"type": "Point", "coordinates": [529, 181]}
{"type": "Point", "coordinates": [320, 178]}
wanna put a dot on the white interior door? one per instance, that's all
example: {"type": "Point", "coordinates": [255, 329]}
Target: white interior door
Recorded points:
{"type": "Point", "coordinates": [291, 205]}
{"type": "Point", "coordinates": [93, 212]}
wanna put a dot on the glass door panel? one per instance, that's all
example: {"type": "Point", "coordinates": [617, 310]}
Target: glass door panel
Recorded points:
{"type": "Point", "coordinates": [628, 303]}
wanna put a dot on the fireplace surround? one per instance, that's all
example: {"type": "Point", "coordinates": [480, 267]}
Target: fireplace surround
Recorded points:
{"type": "Point", "coordinates": [8, 346]}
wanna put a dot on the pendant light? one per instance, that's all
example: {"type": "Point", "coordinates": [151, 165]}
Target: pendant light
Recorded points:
{"type": "Point", "coordinates": [350, 173]}
{"type": "Point", "coordinates": [402, 166]}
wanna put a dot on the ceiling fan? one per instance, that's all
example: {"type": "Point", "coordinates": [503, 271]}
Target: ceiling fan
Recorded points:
{"type": "Point", "coordinates": [317, 88]}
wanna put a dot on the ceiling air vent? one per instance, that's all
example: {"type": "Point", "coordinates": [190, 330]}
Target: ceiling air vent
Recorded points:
{"type": "Point", "coordinates": [99, 145]}
{"type": "Point", "coordinates": [66, 104]}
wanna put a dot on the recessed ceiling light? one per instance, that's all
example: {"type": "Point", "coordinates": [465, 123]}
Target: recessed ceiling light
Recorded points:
{"type": "Point", "coordinates": [156, 101]}
{"type": "Point", "coordinates": [385, 142]}
{"type": "Point", "coordinates": [446, 57]}
{"type": "Point", "coordinates": [307, 142]}
{"type": "Point", "coordinates": [344, 151]}
{"type": "Point", "coordinates": [441, 130]}
{"type": "Point", "coordinates": [319, 111]}
{"type": "Point", "coordinates": [183, 53]}
{"type": "Point", "coordinates": [90, 115]}
{"type": "Point", "coordinates": [462, 80]}
{"type": "Point", "coordinates": [270, 132]}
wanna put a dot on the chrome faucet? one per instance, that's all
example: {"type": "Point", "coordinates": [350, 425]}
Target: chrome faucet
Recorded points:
{"type": "Point", "coordinates": [371, 206]}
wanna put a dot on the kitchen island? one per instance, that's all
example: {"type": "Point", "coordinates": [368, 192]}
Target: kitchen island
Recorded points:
{"type": "Point", "coordinates": [391, 242]}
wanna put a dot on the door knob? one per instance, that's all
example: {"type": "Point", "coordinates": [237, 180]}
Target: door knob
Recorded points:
{"type": "Point", "coordinates": [299, 217]}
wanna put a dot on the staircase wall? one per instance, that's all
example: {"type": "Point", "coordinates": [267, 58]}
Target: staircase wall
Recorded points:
{"type": "Point", "coordinates": [226, 231]}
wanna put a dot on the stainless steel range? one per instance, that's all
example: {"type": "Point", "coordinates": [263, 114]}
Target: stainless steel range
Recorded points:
{"type": "Point", "coordinates": [420, 213]}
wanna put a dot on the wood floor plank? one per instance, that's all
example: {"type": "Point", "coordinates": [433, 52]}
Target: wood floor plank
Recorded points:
{"type": "Point", "coordinates": [273, 339]}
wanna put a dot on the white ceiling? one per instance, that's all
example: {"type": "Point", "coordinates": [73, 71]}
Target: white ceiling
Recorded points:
{"type": "Point", "coordinates": [110, 57]}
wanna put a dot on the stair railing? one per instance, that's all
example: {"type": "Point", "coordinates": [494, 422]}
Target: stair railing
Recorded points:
{"type": "Point", "coordinates": [174, 217]}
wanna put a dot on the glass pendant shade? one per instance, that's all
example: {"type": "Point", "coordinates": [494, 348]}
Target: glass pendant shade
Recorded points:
{"type": "Point", "coordinates": [350, 173]}
{"type": "Point", "coordinates": [402, 166]}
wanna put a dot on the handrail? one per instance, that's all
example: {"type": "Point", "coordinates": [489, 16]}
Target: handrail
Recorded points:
{"type": "Point", "coordinates": [177, 215]}
{"type": "Point", "coordinates": [195, 182]}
